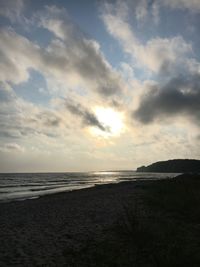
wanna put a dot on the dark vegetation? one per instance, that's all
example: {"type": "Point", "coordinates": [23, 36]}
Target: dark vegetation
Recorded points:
{"type": "Point", "coordinates": [160, 229]}
{"type": "Point", "coordinates": [173, 166]}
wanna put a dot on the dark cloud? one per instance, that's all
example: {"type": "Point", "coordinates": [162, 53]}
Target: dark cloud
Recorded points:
{"type": "Point", "coordinates": [180, 96]}
{"type": "Point", "coordinates": [13, 127]}
{"type": "Point", "coordinates": [88, 118]}
{"type": "Point", "coordinates": [79, 53]}
{"type": "Point", "coordinates": [72, 55]}
{"type": "Point", "coordinates": [49, 119]}
{"type": "Point", "coordinates": [19, 119]}
{"type": "Point", "coordinates": [9, 134]}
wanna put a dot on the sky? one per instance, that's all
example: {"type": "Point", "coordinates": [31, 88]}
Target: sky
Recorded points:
{"type": "Point", "coordinates": [98, 85]}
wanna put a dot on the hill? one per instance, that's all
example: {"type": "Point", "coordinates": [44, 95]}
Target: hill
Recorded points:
{"type": "Point", "coordinates": [173, 166]}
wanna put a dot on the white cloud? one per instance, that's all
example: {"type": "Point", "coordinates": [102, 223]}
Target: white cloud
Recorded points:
{"type": "Point", "coordinates": [11, 147]}
{"type": "Point", "coordinates": [158, 54]}
{"type": "Point", "coordinates": [18, 54]}
{"type": "Point", "coordinates": [79, 56]}
{"type": "Point", "coordinates": [73, 59]}
{"type": "Point", "coordinates": [20, 119]}
{"type": "Point", "coordinates": [126, 71]}
{"type": "Point", "coordinates": [73, 62]}
{"type": "Point", "coordinates": [162, 54]}
{"type": "Point", "coordinates": [70, 59]}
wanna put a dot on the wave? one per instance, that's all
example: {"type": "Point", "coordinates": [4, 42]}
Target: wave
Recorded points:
{"type": "Point", "coordinates": [20, 186]}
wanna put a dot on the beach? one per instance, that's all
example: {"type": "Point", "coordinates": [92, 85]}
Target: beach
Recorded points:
{"type": "Point", "coordinates": [107, 225]}
{"type": "Point", "coordinates": [37, 232]}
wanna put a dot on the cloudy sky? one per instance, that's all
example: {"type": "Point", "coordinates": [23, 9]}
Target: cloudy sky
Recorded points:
{"type": "Point", "coordinates": [98, 85]}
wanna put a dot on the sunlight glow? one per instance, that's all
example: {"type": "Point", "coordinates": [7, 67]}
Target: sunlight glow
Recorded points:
{"type": "Point", "coordinates": [111, 120]}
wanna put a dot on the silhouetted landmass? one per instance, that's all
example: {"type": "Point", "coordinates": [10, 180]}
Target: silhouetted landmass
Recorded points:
{"type": "Point", "coordinates": [173, 166]}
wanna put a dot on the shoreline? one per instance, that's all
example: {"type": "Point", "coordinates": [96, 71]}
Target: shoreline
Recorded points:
{"type": "Point", "coordinates": [23, 198]}
{"type": "Point", "coordinates": [74, 190]}
{"type": "Point", "coordinates": [32, 231]}
{"type": "Point", "coordinates": [105, 225]}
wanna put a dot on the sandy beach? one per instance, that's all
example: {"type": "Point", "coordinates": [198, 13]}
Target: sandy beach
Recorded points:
{"type": "Point", "coordinates": [107, 225]}
{"type": "Point", "coordinates": [38, 232]}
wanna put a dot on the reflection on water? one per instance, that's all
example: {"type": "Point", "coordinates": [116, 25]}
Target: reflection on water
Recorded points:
{"type": "Point", "coordinates": [19, 186]}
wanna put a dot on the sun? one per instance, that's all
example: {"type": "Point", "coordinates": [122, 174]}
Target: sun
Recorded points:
{"type": "Point", "coordinates": [111, 120]}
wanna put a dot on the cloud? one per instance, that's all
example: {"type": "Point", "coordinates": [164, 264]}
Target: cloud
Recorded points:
{"type": "Point", "coordinates": [172, 61]}
{"type": "Point", "coordinates": [88, 118]}
{"type": "Point", "coordinates": [144, 10]}
{"type": "Point", "coordinates": [20, 119]}
{"type": "Point", "coordinates": [11, 9]}
{"type": "Point", "coordinates": [79, 55]}
{"type": "Point", "coordinates": [141, 10]}
{"type": "Point", "coordinates": [164, 55]}
{"type": "Point", "coordinates": [70, 58]}
{"type": "Point", "coordinates": [6, 93]}
{"type": "Point", "coordinates": [127, 71]}
{"type": "Point", "coordinates": [49, 118]}
{"type": "Point", "coordinates": [18, 56]}
{"type": "Point", "coordinates": [11, 147]}
{"type": "Point", "coordinates": [180, 96]}
{"type": "Point", "coordinates": [159, 55]}
{"type": "Point", "coordinates": [193, 5]}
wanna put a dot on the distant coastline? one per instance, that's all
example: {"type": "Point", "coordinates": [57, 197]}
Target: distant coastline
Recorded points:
{"type": "Point", "coordinates": [173, 166]}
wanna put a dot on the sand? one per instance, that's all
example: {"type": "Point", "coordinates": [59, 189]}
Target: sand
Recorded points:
{"type": "Point", "coordinates": [49, 230]}
{"type": "Point", "coordinates": [140, 224]}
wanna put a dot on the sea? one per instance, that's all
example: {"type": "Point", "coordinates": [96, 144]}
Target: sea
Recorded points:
{"type": "Point", "coordinates": [21, 186]}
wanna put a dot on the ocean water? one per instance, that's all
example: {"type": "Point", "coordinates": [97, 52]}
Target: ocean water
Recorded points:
{"type": "Point", "coordinates": [21, 186]}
